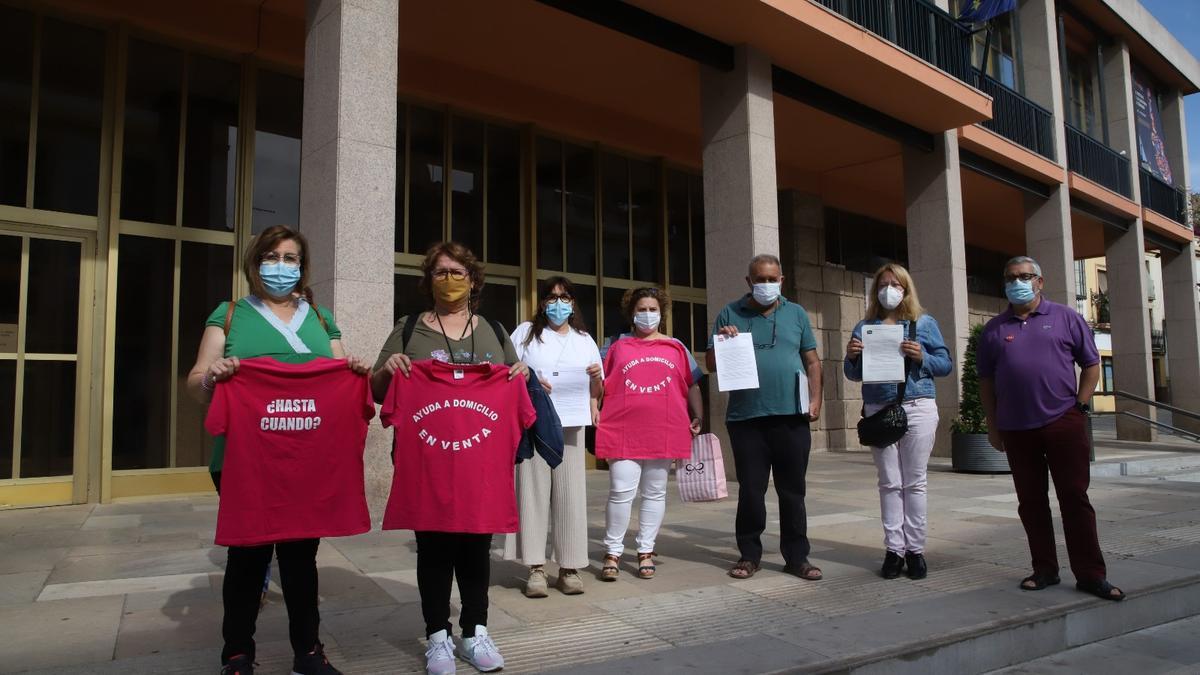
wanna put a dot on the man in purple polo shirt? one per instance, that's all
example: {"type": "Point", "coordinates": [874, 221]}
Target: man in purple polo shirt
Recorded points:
{"type": "Point", "coordinates": [1038, 414]}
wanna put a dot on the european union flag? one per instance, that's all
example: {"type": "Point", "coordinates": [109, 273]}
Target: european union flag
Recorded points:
{"type": "Point", "coordinates": [979, 11]}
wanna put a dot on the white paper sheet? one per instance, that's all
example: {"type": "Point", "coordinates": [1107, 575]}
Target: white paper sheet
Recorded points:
{"type": "Point", "coordinates": [737, 367]}
{"type": "Point", "coordinates": [881, 358]}
{"type": "Point", "coordinates": [570, 390]}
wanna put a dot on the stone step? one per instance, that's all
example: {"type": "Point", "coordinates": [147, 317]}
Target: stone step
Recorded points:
{"type": "Point", "coordinates": [1160, 464]}
{"type": "Point", "coordinates": [1168, 649]}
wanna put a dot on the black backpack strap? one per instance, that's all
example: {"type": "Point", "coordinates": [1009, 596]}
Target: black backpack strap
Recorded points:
{"type": "Point", "coordinates": [410, 325]}
{"type": "Point", "coordinates": [498, 329]}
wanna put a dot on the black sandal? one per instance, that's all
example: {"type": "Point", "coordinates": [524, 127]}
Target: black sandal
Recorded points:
{"type": "Point", "coordinates": [1101, 589]}
{"type": "Point", "coordinates": [1039, 581]}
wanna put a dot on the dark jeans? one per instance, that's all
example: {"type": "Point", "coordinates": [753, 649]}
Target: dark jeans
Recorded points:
{"type": "Point", "coordinates": [442, 556]}
{"type": "Point", "coordinates": [778, 443]}
{"type": "Point", "coordinates": [1060, 447]}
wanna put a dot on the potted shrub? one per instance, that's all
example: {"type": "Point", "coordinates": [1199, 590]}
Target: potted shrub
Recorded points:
{"type": "Point", "coordinates": [970, 450]}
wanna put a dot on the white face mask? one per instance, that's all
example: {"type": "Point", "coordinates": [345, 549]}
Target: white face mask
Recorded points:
{"type": "Point", "coordinates": [890, 297]}
{"type": "Point", "coordinates": [646, 320]}
{"type": "Point", "coordinates": [765, 293]}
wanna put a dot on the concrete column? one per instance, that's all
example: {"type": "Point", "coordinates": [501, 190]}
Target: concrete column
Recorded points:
{"type": "Point", "coordinates": [348, 181]}
{"type": "Point", "coordinates": [1048, 237]}
{"type": "Point", "coordinates": [937, 259]}
{"type": "Point", "coordinates": [1125, 253]}
{"type": "Point", "coordinates": [741, 211]}
{"type": "Point", "coordinates": [1181, 326]}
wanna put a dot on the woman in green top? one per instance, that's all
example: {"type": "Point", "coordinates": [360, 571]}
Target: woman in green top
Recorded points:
{"type": "Point", "coordinates": [278, 319]}
{"type": "Point", "coordinates": [452, 332]}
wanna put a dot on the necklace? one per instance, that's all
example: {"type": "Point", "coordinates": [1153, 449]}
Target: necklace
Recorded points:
{"type": "Point", "coordinates": [449, 349]}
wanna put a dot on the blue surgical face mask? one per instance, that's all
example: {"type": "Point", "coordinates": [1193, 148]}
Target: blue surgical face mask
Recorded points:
{"type": "Point", "coordinates": [559, 311]}
{"type": "Point", "coordinates": [1020, 292]}
{"type": "Point", "coordinates": [279, 278]}
{"type": "Point", "coordinates": [647, 321]}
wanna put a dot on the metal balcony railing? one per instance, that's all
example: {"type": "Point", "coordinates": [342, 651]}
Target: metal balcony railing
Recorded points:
{"type": "Point", "coordinates": [1158, 342]}
{"type": "Point", "coordinates": [1161, 197]}
{"type": "Point", "coordinates": [1097, 162]}
{"type": "Point", "coordinates": [1017, 118]}
{"type": "Point", "coordinates": [916, 26]}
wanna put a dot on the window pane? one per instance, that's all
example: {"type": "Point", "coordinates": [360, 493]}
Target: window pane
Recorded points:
{"type": "Point", "coordinates": [408, 298]}
{"type": "Point", "coordinates": [210, 153]}
{"type": "Point", "coordinates": [585, 301]}
{"type": "Point", "coordinates": [504, 196]}
{"type": "Point", "coordinates": [466, 184]}
{"type": "Point", "coordinates": [53, 301]}
{"type": "Point", "coordinates": [700, 329]}
{"type": "Point", "coordinates": [8, 409]}
{"type": "Point", "coordinates": [279, 113]}
{"type": "Point", "coordinates": [499, 302]}
{"type": "Point", "coordinates": [647, 221]}
{"type": "Point", "coordinates": [581, 209]}
{"type": "Point", "coordinates": [70, 107]}
{"type": "Point", "coordinates": [425, 191]}
{"type": "Point", "coordinates": [681, 322]}
{"type": "Point", "coordinates": [696, 195]}
{"type": "Point", "coordinates": [678, 243]}
{"type": "Point", "coordinates": [614, 176]}
{"type": "Point", "coordinates": [150, 158]}
{"type": "Point", "coordinates": [549, 204]}
{"type": "Point", "coordinates": [142, 395]}
{"type": "Point", "coordinates": [48, 419]}
{"type": "Point", "coordinates": [401, 171]}
{"type": "Point", "coordinates": [614, 318]}
{"type": "Point", "coordinates": [205, 281]}
{"type": "Point", "coordinates": [10, 291]}
{"type": "Point", "coordinates": [16, 95]}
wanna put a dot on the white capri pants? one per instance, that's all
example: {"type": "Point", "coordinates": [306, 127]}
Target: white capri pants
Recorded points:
{"type": "Point", "coordinates": [624, 476]}
{"type": "Point", "coordinates": [902, 470]}
{"type": "Point", "coordinates": [552, 500]}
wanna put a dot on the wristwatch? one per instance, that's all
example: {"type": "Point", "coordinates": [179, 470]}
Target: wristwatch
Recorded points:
{"type": "Point", "coordinates": [1083, 407]}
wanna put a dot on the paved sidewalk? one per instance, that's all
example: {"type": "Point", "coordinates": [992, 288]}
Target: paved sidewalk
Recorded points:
{"type": "Point", "coordinates": [135, 587]}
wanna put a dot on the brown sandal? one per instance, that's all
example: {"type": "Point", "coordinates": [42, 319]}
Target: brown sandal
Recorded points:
{"type": "Point", "coordinates": [646, 565]}
{"type": "Point", "coordinates": [610, 570]}
{"type": "Point", "coordinates": [805, 570]}
{"type": "Point", "coordinates": [743, 569]}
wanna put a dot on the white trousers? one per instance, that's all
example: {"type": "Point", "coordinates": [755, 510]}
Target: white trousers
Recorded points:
{"type": "Point", "coordinates": [552, 500]}
{"type": "Point", "coordinates": [624, 476]}
{"type": "Point", "coordinates": [902, 470]}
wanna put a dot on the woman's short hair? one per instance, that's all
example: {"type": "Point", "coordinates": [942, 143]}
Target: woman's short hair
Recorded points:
{"type": "Point", "coordinates": [264, 243]}
{"type": "Point", "coordinates": [463, 256]}
{"type": "Point", "coordinates": [910, 307]}
{"type": "Point", "coordinates": [630, 300]}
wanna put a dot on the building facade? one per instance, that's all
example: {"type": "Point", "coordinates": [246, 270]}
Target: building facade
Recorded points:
{"type": "Point", "coordinates": [142, 146]}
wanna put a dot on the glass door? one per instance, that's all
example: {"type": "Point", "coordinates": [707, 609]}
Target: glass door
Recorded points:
{"type": "Point", "coordinates": [42, 444]}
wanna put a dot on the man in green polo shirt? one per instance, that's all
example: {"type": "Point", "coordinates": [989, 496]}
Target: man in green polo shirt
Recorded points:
{"type": "Point", "coordinates": [767, 427]}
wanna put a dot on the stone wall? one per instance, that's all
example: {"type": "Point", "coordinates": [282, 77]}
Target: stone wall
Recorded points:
{"type": "Point", "coordinates": [835, 299]}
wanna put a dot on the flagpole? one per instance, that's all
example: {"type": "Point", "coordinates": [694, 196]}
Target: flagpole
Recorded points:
{"type": "Point", "coordinates": [987, 48]}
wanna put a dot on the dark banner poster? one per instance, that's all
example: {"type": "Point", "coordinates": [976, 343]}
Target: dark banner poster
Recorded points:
{"type": "Point", "coordinates": [1152, 150]}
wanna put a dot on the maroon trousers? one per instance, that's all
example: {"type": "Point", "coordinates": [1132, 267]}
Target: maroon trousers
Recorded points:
{"type": "Point", "coordinates": [1062, 448]}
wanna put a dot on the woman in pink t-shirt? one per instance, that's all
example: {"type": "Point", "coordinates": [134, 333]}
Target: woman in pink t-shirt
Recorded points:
{"type": "Point", "coordinates": [651, 410]}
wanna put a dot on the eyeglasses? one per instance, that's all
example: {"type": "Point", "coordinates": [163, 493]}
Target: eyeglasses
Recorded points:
{"type": "Point", "coordinates": [289, 259]}
{"type": "Point", "coordinates": [457, 275]}
{"type": "Point", "coordinates": [1028, 276]}
{"type": "Point", "coordinates": [551, 297]}
{"type": "Point", "coordinates": [773, 325]}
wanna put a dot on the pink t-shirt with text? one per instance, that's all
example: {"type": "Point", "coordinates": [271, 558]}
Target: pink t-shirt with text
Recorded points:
{"type": "Point", "coordinates": [294, 440]}
{"type": "Point", "coordinates": [645, 414]}
{"type": "Point", "coordinates": [457, 428]}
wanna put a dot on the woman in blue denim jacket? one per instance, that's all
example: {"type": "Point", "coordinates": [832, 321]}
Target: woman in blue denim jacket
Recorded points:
{"type": "Point", "coordinates": [902, 467]}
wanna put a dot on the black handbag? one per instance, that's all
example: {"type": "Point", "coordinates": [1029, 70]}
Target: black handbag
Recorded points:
{"type": "Point", "coordinates": [890, 423]}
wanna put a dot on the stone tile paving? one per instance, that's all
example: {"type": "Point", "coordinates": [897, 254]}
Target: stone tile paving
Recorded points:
{"type": "Point", "coordinates": [135, 587]}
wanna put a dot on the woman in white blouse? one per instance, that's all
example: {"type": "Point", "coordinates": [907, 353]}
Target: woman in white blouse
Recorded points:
{"type": "Point", "coordinates": [555, 345]}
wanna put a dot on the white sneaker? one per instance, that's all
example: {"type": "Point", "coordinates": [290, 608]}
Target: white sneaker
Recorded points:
{"type": "Point", "coordinates": [481, 652]}
{"type": "Point", "coordinates": [439, 657]}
